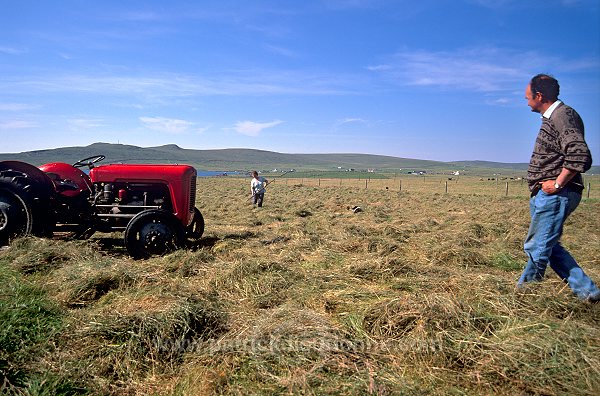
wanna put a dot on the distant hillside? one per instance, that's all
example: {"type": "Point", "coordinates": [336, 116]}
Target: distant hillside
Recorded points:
{"type": "Point", "coordinates": [489, 164]}
{"type": "Point", "coordinates": [225, 159]}
{"type": "Point", "coordinates": [504, 165]}
{"type": "Point", "coordinates": [246, 159]}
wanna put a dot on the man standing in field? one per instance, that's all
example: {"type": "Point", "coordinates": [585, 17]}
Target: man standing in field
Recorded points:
{"type": "Point", "coordinates": [257, 186]}
{"type": "Point", "coordinates": [559, 157]}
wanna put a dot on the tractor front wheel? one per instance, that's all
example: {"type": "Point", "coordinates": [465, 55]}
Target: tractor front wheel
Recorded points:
{"type": "Point", "coordinates": [153, 232]}
{"type": "Point", "coordinates": [194, 231]}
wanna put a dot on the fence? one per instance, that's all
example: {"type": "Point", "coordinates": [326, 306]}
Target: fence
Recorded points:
{"type": "Point", "coordinates": [497, 186]}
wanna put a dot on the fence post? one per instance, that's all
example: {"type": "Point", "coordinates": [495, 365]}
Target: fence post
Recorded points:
{"type": "Point", "coordinates": [506, 194]}
{"type": "Point", "coordinates": [319, 182]}
{"type": "Point", "coordinates": [366, 183]}
{"type": "Point", "coordinates": [446, 186]}
{"type": "Point", "coordinates": [588, 191]}
{"type": "Point", "coordinates": [400, 184]}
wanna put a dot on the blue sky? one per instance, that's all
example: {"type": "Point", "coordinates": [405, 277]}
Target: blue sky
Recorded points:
{"type": "Point", "coordinates": [440, 80]}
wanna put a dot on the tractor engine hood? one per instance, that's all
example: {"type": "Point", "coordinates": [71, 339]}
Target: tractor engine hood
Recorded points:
{"type": "Point", "coordinates": [180, 179]}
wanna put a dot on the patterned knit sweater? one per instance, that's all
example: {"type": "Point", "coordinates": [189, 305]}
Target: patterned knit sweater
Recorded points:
{"type": "Point", "coordinates": [560, 143]}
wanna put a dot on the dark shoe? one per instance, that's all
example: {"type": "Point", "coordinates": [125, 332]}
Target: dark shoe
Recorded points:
{"type": "Point", "coordinates": [593, 299]}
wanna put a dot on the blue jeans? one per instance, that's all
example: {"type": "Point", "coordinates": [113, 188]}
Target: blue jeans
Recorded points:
{"type": "Point", "coordinates": [542, 245]}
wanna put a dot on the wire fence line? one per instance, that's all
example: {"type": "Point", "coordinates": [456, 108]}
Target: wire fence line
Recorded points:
{"type": "Point", "coordinates": [497, 186]}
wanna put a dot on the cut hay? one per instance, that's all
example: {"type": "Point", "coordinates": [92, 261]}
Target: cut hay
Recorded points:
{"type": "Point", "coordinates": [413, 295]}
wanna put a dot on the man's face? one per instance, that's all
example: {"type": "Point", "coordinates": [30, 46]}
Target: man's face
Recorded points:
{"type": "Point", "coordinates": [533, 101]}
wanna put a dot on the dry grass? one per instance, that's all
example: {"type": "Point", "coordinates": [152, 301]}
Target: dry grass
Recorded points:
{"type": "Point", "coordinates": [413, 294]}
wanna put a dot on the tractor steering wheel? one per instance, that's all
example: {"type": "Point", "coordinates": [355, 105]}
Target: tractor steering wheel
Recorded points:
{"type": "Point", "coordinates": [89, 161]}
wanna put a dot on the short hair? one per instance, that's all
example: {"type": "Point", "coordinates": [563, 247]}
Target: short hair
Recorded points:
{"type": "Point", "coordinates": [254, 173]}
{"type": "Point", "coordinates": [546, 85]}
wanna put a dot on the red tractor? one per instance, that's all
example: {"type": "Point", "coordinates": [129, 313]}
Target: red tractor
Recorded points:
{"type": "Point", "coordinates": [153, 204]}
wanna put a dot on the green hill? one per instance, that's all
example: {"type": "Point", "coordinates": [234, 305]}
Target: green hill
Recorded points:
{"type": "Point", "coordinates": [224, 159]}
{"type": "Point", "coordinates": [245, 159]}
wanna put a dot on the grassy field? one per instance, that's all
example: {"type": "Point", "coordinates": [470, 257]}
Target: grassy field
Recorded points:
{"type": "Point", "coordinates": [412, 294]}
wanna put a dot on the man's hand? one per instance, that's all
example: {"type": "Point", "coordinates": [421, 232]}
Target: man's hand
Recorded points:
{"type": "Point", "coordinates": [548, 187]}
{"type": "Point", "coordinates": [563, 179]}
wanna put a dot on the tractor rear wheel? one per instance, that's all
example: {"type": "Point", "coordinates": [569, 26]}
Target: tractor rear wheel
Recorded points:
{"type": "Point", "coordinates": [15, 217]}
{"type": "Point", "coordinates": [24, 206]}
{"type": "Point", "coordinates": [153, 232]}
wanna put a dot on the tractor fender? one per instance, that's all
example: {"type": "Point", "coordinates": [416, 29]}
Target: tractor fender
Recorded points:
{"type": "Point", "coordinates": [33, 173]}
{"type": "Point", "coordinates": [68, 180]}
{"type": "Point", "coordinates": [30, 191]}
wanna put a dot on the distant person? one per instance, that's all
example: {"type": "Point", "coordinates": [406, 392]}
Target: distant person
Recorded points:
{"type": "Point", "coordinates": [559, 157]}
{"type": "Point", "coordinates": [258, 186]}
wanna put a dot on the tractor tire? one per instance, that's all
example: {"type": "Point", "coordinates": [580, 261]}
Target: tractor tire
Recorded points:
{"type": "Point", "coordinates": [153, 233]}
{"type": "Point", "coordinates": [15, 217]}
{"type": "Point", "coordinates": [24, 206]}
{"type": "Point", "coordinates": [194, 231]}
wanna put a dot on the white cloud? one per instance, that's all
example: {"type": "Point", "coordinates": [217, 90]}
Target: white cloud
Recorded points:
{"type": "Point", "coordinates": [492, 72]}
{"type": "Point", "coordinates": [251, 128]}
{"type": "Point", "coordinates": [11, 51]}
{"type": "Point", "coordinates": [379, 67]}
{"type": "Point", "coordinates": [517, 4]}
{"type": "Point", "coordinates": [480, 69]}
{"type": "Point", "coordinates": [281, 51]}
{"type": "Point", "coordinates": [349, 4]}
{"type": "Point", "coordinates": [502, 101]}
{"type": "Point", "coordinates": [350, 121]}
{"type": "Point", "coordinates": [141, 16]}
{"type": "Point", "coordinates": [16, 106]}
{"type": "Point", "coordinates": [165, 86]}
{"type": "Point", "coordinates": [85, 123]}
{"type": "Point", "coordinates": [483, 69]}
{"type": "Point", "coordinates": [167, 125]}
{"type": "Point", "coordinates": [495, 4]}
{"type": "Point", "coordinates": [17, 124]}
